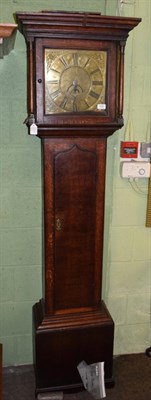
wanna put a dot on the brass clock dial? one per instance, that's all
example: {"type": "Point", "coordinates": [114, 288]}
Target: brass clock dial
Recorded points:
{"type": "Point", "coordinates": [75, 80]}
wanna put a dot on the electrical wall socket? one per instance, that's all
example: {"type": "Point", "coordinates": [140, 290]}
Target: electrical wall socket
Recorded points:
{"type": "Point", "coordinates": [135, 169]}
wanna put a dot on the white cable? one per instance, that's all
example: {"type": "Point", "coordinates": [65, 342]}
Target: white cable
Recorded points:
{"type": "Point", "coordinates": [136, 188]}
{"type": "Point", "coordinates": [119, 8]}
{"type": "Point", "coordinates": [140, 189]}
{"type": "Point", "coordinates": [120, 4]}
{"type": "Point", "coordinates": [148, 132]}
{"type": "Point", "coordinates": [128, 2]}
{"type": "Point", "coordinates": [105, 7]}
{"type": "Point", "coordinates": [129, 131]}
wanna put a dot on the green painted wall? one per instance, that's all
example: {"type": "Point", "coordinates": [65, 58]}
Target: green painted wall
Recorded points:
{"type": "Point", "coordinates": [127, 260]}
{"type": "Point", "coordinates": [127, 254]}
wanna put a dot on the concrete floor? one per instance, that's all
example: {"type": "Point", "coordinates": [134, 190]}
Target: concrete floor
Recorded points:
{"type": "Point", "coordinates": [132, 376]}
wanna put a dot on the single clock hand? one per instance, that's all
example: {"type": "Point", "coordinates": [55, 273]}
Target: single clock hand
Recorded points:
{"type": "Point", "coordinates": [75, 88]}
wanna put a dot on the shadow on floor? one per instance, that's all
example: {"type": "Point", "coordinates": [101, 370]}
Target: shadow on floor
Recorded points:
{"type": "Point", "coordinates": [132, 375]}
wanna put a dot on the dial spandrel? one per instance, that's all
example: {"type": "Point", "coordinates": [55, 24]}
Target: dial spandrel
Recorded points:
{"type": "Point", "coordinates": [75, 81]}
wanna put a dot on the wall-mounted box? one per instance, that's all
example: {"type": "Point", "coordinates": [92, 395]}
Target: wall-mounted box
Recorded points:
{"type": "Point", "coordinates": [145, 150]}
{"type": "Point", "coordinates": [129, 149]}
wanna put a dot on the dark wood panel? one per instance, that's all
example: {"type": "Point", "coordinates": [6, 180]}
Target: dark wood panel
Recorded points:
{"type": "Point", "coordinates": [75, 210]}
{"type": "Point", "coordinates": [74, 176]}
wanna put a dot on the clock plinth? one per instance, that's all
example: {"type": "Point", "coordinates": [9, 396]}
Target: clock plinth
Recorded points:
{"type": "Point", "coordinates": [75, 97]}
{"type": "Point", "coordinates": [62, 342]}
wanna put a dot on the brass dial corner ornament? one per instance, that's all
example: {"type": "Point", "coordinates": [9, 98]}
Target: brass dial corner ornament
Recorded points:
{"type": "Point", "coordinates": [75, 80]}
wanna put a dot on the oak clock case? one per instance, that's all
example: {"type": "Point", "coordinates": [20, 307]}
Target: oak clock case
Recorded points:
{"type": "Point", "coordinates": [75, 96]}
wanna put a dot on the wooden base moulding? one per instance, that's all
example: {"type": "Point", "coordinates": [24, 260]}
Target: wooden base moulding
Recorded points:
{"type": "Point", "coordinates": [61, 343]}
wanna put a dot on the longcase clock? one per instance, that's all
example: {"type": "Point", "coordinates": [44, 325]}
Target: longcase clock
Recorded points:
{"type": "Point", "coordinates": [75, 101]}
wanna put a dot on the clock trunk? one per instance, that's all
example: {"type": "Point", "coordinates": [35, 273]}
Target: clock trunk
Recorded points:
{"type": "Point", "coordinates": [74, 169]}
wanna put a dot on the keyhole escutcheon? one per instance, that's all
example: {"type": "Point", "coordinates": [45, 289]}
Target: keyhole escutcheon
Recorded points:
{"type": "Point", "coordinates": [58, 224]}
